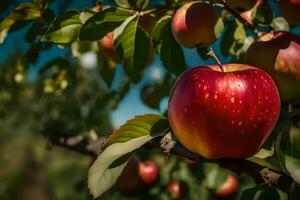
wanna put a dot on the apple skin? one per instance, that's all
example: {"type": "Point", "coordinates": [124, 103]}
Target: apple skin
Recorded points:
{"type": "Point", "coordinates": [177, 189]}
{"type": "Point", "coordinates": [229, 187]}
{"type": "Point", "coordinates": [241, 5]}
{"type": "Point", "coordinates": [223, 114]}
{"type": "Point", "coordinates": [107, 46]}
{"type": "Point", "coordinates": [278, 53]}
{"type": "Point", "coordinates": [290, 11]}
{"type": "Point", "coordinates": [129, 181]}
{"type": "Point", "coordinates": [149, 173]}
{"type": "Point", "coordinates": [193, 24]}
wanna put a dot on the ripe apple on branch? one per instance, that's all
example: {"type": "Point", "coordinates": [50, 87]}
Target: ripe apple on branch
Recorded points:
{"type": "Point", "coordinates": [241, 114]}
{"type": "Point", "coordinates": [226, 111]}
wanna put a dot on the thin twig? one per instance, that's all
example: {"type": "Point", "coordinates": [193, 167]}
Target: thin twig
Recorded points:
{"type": "Point", "coordinates": [224, 5]}
{"type": "Point", "coordinates": [212, 54]}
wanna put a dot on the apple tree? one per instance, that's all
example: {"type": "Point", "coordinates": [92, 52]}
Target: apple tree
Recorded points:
{"type": "Point", "coordinates": [231, 129]}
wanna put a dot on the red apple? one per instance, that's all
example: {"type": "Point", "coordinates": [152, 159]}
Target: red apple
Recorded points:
{"type": "Point", "coordinates": [149, 173]}
{"type": "Point", "coordinates": [279, 54]}
{"type": "Point", "coordinates": [107, 46]}
{"type": "Point", "coordinates": [129, 180]}
{"type": "Point", "coordinates": [229, 187]}
{"type": "Point", "coordinates": [241, 5]}
{"type": "Point", "coordinates": [177, 189]}
{"type": "Point", "coordinates": [193, 24]}
{"type": "Point", "coordinates": [290, 10]}
{"type": "Point", "coordinates": [226, 114]}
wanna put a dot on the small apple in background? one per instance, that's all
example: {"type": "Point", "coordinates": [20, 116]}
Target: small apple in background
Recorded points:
{"type": "Point", "coordinates": [189, 162]}
{"type": "Point", "coordinates": [241, 5]}
{"type": "Point", "coordinates": [290, 10]}
{"type": "Point", "coordinates": [149, 173]}
{"type": "Point", "coordinates": [279, 54]}
{"type": "Point", "coordinates": [193, 24]}
{"type": "Point", "coordinates": [107, 46]}
{"type": "Point", "coordinates": [229, 187]}
{"type": "Point", "coordinates": [129, 180]}
{"type": "Point", "coordinates": [177, 189]}
{"type": "Point", "coordinates": [226, 114]}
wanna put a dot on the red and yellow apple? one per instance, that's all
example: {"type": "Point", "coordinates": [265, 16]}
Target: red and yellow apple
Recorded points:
{"type": "Point", "coordinates": [149, 173]}
{"type": "Point", "coordinates": [290, 10]}
{"type": "Point", "coordinates": [229, 187]}
{"type": "Point", "coordinates": [241, 5]}
{"type": "Point", "coordinates": [226, 114]}
{"type": "Point", "coordinates": [107, 46]}
{"type": "Point", "coordinates": [193, 24]}
{"type": "Point", "coordinates": [279, 54]}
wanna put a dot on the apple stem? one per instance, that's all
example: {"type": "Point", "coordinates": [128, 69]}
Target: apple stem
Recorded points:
{"type": "Point", "coordinates": [212, 54]}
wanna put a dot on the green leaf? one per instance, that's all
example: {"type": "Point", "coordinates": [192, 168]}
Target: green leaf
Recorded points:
{"type": "Point", "coordinates": [134, 46]}
{"type": "Point", "coordinates": [280, 24]}
{"type": "Point", "coordinates": [23, 12]}
{"type": "Point", "coordinates": [120, 145]}
{"type": "Point", "coordinates": [107, 68]}
{"type": "Point", "coordinates": [139, 4]}
{"type": "Point", "coordinates": [119, 30]}
{"type": "Point", "coordinates": [123, 3]}
{"type": "Point", "coordinates": [262, 15]}
{"type": "Point", "coordinates": [295, 191]}
{"type": "Point", "coordinates": [85, 15]}
{"type": "Point", "coordinates": [171, 53]}
{"type": "Point", "coordinates": [65, 28]}
{"type": "Point", "coordinates": [240, 33]}
{"type": "Point", "coordinates": [219, 27]}
{"type": "Point", "coordinates": [103, 22]}
{"type": "Point", "coordinates": [265, 158]}
{"type": "Point", "coordinates": [35, 31]}
{"type": "Point", "coordinates": [245, 182]}
{"type": "Point", "coordinates": [263, 192]}
{"type": "Point", "coordinates": [227, 41]}
{"type": "Point", "coordinates": [288, 148]}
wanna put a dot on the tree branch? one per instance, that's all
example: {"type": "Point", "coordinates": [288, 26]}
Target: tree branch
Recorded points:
{"type": "Point", "coordinates": [223, 4]}
{"type": "Point", "coordinates": [91, 146]}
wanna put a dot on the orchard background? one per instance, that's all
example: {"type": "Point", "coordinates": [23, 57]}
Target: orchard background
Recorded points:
{"type": "Point", "coordinates": [63, 93]}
